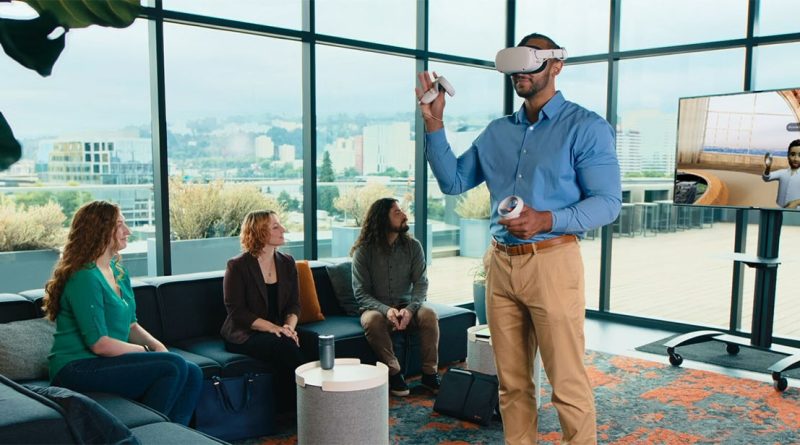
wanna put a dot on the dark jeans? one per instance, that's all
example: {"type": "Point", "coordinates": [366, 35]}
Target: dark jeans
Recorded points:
{"type": "Point", "coordinates": [163, 381]}
{"type": "Point", "coordinates": [283, 355]}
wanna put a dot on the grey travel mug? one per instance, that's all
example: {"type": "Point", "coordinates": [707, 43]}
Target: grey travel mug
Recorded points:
{"type": "Point", "coordinates": [326, 351]}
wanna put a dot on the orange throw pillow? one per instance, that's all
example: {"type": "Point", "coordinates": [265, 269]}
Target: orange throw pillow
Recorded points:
{"type": "Point", "coordinates": [309, 303]}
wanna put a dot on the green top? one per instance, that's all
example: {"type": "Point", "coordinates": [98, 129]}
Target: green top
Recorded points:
{"type": "Point", "coordinates": [90, 309]}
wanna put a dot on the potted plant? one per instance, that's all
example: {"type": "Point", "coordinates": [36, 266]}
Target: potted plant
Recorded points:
{"type": "Point", "coordinates": [29, 240]}
{"type": "Point", "coordinates": [479, 292]}
{"type": "Point", "coordinates": [354, 203]}
{"type": "Point", "coordinates": [474, 208]}
{"type": "Point", "coordinates": [205, 220]}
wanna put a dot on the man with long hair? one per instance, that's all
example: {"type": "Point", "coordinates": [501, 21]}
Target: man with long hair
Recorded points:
{"type": "Point", "coordinates": [390, 285]}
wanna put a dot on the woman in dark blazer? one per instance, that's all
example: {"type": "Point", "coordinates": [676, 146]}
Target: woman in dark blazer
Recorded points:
{"type": "Point", "coordinates": [261, 297]}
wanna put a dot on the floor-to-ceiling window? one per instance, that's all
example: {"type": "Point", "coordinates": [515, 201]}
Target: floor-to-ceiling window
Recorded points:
{"type": "Point", "coordinates": [234, 96]}
{"type": "Point", "coordinates": [234, 128]}
{"type": "Point", "coordinates": [364, 138]}
{"type": "Point", "coordinates": [85, 134]}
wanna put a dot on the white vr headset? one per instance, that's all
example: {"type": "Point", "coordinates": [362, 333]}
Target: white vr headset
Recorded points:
{"type": "Point", "coordinates": [526, 59]}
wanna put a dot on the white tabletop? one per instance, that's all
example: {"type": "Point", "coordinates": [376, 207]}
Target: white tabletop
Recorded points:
{"type": "Point", "coordinates": [472, 333]}
{"type": "Point", "coordinates": [347, 374]}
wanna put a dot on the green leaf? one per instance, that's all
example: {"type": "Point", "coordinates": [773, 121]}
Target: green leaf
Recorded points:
{"type": "Point", "coordinates": [26, 42]}
{"type": "Point", "coordinates": [10, 149]}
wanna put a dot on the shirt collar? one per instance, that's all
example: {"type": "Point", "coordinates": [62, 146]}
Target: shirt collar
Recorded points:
{"type": "Point", "coordinates": [549, 111]}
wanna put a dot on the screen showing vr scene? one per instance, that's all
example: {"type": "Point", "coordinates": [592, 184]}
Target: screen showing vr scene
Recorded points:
{"type": "Point", "coordinates": [739, 150]}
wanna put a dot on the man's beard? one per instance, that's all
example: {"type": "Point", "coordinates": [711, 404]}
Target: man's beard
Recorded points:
{"type": "Point", "coordinates": [535, 85]}
{"type": "Point", "coordinates": [402, 229]}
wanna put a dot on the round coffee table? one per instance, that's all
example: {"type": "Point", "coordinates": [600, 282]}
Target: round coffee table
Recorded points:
{"type": "Point", "coordinates": [347, 404]}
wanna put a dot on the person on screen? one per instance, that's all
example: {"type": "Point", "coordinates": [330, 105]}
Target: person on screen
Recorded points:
{"type": "Point", "coordinates": [788, 179]}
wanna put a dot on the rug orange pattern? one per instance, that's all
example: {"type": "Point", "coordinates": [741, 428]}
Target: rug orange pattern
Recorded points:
{"type": "Point", "coordinates": [638, 402]}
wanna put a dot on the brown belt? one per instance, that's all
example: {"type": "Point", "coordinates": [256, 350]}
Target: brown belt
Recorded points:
{"type": "Point", "coordinates": [532, 248]}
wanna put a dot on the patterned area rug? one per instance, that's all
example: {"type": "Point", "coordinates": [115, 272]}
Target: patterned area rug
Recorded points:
{"type": "Point", "coordinates": [638, 402]}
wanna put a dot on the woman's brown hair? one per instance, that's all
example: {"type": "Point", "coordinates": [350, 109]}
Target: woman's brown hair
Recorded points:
{"type": "Point", "coordinates": [255, 230]}
{"type": "Point", "coordinates": [89, 236]}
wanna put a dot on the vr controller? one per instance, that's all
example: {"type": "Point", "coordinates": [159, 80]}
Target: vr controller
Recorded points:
{"type": "Point", "coordinates": [440, 84]}
{"type": "Point", "coordinates": [525, 59]}
{"type": "Point", "coordinates": [510, 207]}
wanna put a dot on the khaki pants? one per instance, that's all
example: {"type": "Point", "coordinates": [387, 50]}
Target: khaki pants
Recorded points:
{"type": "Point", "coordinates": [537, 300]}
{"type": "Point", "coordinates": [378, 330]}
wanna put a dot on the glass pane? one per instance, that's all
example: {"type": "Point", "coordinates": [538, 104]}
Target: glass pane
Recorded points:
{"type": "Point", "coordinates": [585, 84]}
{"type": "Point", "coordinates": [451, 21]}
{"type": "Point", "coordinates": [234, 146]}
{"type": "Point", "coordinates": [393, 23]}
{"type": "Point", "coordinates": [85, 134]}
{"type": "Point", "coordinates": [777, 17]}
{"type": "Point", "coordinates": [580, 26]}
{"type": "Point", "coordinates": [459, 243]}
{"type": "Point", "coordinates": [776, 66]}
{"type": "Point", "coordinates": [364, 130]}
{"type": "Point", "coordinates": [691, 244]}
{"type": "Point", "coordinates": [686, 21]}
{"type": "Point", "coordinates": [281, 13]}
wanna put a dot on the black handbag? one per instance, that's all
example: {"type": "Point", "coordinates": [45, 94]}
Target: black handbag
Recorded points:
{"type": "Point", "coordinates": [467, 395]}
{"type": "Point", "coordinates": [236, 408]}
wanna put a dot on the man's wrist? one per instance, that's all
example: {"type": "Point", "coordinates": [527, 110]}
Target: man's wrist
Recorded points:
{"type": "Point", "coordinates": [432, 124]}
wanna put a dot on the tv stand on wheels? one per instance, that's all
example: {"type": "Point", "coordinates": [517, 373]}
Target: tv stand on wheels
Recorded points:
{"type": "Point", "coordinates": [766, 266]}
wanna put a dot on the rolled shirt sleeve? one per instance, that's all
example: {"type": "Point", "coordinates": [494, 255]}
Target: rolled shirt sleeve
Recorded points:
{"type": "Point", "coordinates": [85, 295]}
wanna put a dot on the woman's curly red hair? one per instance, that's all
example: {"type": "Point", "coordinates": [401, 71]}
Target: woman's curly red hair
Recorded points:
{"type": "Point", "coordinates": [89, 237]}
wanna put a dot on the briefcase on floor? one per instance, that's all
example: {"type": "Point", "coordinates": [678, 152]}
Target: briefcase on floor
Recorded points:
{"type": "Point", "coordinates": [467, 395]}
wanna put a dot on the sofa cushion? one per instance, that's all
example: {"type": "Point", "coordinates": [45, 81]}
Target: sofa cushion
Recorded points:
{"type": "Point", "coordinates": [208, 366]}
{"type": "Point", "coordinates": [341, 276]}
{"type": "Point", "coordinates": [87, 419]}
{"type": "Point", "coordinates": [309, 303]}
{"type": "Point", "coordinates": [231, 364]}
{"type": "Point", "coordinates": [325, 294]}
{"type": "Point", "coordinates": [131, 413]}
{"type": "Point", "coordinates": [15, 307]}
{"type": "Point", "coordinates": [171, 433]}
{"type": "Point", "coordinates": [37, 297]}
{"type": "Point", "coordinates": [148, 314]}
{"type": "Point", "coordinates": [25, 417]}
{"type": "Point", "coordinates": [348, 335]}
{"type": "Point", "coordinates": [191, 305]}
{"type": "Point", "coordinates": [24, 346]}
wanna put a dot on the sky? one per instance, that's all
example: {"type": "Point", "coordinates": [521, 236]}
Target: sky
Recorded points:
{"type": "Point", "coordinates": [101, 81]}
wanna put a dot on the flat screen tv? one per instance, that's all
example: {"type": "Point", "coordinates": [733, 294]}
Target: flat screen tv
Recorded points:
{"type": "Point", "coordinates": [725, 143]}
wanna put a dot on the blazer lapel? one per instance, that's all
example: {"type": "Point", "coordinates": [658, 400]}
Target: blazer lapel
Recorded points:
{"type": "Point", "coordinates": [258, 277]}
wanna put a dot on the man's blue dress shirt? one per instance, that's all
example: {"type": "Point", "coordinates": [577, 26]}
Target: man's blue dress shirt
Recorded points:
{"type": "Point", "coordinates": [565, 163]}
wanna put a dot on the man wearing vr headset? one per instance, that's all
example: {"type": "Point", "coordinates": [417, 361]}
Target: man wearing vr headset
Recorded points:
{"type": "Point", "coordinates": [560, 159]}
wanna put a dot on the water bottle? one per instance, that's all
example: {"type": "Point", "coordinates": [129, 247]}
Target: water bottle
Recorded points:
{"type": "Point", "coordinates": [326, 351]}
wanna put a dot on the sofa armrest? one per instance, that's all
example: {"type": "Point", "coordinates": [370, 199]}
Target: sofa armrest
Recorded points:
{"type": "Point", "coordinates": [26, 417]}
